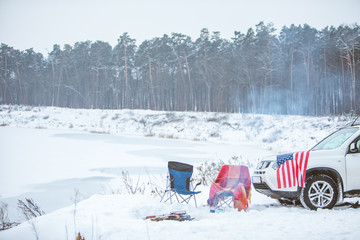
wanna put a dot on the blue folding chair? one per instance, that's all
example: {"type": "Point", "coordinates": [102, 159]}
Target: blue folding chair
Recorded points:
{"type": "Point", "coordinates": [179, 183]}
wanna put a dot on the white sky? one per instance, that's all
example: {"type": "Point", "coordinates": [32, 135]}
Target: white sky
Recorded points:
{"type": "Point", "coordinates": [42, 23]}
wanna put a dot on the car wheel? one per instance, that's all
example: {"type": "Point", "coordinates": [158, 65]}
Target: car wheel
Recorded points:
{"type": "Point", "coordinates": [320, 192]}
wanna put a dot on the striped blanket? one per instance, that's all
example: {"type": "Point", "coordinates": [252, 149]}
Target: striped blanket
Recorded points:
{"type": "Point", "coordinates": [232, 181]}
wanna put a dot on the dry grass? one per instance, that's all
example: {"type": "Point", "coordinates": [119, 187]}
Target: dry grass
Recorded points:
{"type": "Point", "coordinates": [149, 135]}
{"type": "Point", "coordinates": [98, 132]}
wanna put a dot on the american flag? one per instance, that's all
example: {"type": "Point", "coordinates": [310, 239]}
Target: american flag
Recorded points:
{"type": "Point", "coordinates": [292, 169]}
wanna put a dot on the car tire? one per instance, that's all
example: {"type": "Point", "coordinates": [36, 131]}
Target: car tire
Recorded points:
{"type": "Point", "coordinates": [320, 192]}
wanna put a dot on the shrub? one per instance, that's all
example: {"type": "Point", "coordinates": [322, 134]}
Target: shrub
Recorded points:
{"type": "Point", "coordinates": [208, 171]}
{"type": "Point", "coordinates": [5, 222]}
{"type": "Point", "coordinates": [30, 209]}
{"type": "Point", "coordinates": [131, 186]}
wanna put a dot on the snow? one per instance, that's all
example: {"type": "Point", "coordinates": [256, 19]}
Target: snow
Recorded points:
{"type": "Point", "coordinates": [70, 161]}
{"type": "Point", "coordinates": [121, 217]}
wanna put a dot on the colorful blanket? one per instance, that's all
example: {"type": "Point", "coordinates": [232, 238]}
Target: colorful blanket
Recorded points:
{"type": "Point", "coordinates": [233, 181]}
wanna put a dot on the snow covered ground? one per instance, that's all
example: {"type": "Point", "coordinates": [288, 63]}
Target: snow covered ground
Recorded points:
{"type": "Point", "coordinates": [71, 163]}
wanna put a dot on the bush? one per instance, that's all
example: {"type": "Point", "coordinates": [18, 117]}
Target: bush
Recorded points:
{"type": "Point", "coordinates": [30, 209]}
{"type": "Point", "coordinates": [131, 186]}
{"type": "Point", "coordinates": [5, 222]}
{"type": "Point", "coordinates": [208, 171]}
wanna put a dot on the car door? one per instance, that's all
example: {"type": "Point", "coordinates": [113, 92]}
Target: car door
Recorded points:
{"type": "Point", "coordinates": [353, 167]}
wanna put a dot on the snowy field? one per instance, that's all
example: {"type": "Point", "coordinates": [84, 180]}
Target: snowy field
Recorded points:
{"type": "Point", "coordinates": [71, 163]}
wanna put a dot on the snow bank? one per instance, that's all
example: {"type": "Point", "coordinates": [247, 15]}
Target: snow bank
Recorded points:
{"type": "Point", "coordinates": [278, 132]}
{"type": "Point", "coordinates": [114, 217]}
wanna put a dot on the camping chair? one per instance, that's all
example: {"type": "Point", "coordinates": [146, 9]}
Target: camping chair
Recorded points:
{"type": "Point", "coordinates": [232, 185]}
{"type": "Point", "coordinates": [178, 183]}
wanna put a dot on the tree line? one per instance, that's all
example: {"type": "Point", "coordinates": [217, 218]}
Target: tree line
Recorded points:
{"type": "Point", "coordinates": [297, 70]}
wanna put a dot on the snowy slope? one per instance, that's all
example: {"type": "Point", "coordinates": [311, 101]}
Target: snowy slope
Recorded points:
{"type": "Point", "coordinates": [48, 153]}
{"type": "Point", "coordinates": [278, 132]}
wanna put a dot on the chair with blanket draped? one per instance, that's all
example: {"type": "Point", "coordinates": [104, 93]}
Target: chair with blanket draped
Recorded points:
{"type": "Point", "coordinates": [179, 183]}
{"type": "Point", "coordinates": [232, 185]}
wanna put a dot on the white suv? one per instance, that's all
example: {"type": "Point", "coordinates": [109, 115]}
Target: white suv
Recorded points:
{"type": "Point", "coordinates": [332, 173]}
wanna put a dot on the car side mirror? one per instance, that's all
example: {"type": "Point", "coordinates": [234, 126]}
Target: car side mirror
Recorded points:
{"type": "Point", "coordinates": [353, 148]}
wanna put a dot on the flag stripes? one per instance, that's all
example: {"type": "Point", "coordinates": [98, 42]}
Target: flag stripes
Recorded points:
{"type": "Point", "coordinates": [292, 169]}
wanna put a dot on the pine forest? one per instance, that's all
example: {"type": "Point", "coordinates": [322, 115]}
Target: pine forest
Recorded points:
{"type": "Point", "coordinates": [297, 70]}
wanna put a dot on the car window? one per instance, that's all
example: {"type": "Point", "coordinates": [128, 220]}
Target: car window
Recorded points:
{"type": "Point", "coordinates": [336, 139]}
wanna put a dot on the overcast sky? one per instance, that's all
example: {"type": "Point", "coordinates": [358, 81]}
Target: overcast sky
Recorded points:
{"type": "Point", "coordinates": [40, 24]}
